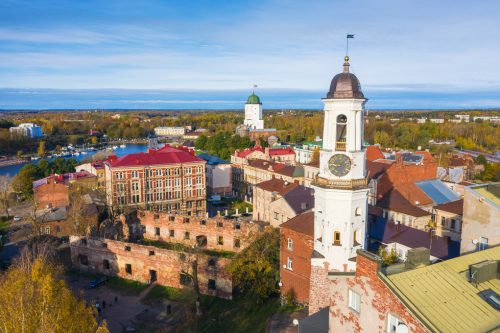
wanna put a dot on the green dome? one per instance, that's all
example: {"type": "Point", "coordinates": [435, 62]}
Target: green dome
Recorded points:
{"type": "Point", "coordinates": [253, 99]}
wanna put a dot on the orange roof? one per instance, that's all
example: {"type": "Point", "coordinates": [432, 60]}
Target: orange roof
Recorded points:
{"type": "Point", "coordinates": [374, 153]}
{"type": "Point", "coordinates": [277, 185]}
{"type": "Point", "coordinates": [413, 193]}
{"type": "Point", "coordinates": [303, 223]}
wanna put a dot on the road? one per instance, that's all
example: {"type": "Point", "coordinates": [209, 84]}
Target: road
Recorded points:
{"type": "Point", "coordinates": [489, 157]}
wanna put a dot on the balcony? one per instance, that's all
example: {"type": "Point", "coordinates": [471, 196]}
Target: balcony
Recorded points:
{"type": "Point", "coordinates": [340, 183]}
{"type": "Point", "coordinates": [340, 146]}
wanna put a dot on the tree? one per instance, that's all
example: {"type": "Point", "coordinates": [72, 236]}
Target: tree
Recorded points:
{"type": "Point", "coordinates": [41, 149]}
{"type": "Point", "coordinates": [480, 159]}
{"type": "Point", "coordinates": [315, 155]}
{"type": "Point", "coordinates": [93, 140]}
{"type": "Point", "coordinates": [19, 154]}
{"type": "Point", "coordinates": [35, 299]}
{"type": "Point", "coordinates": [23, 181]}
{"type": "Point", "coordinates": [388, 258]}
{"type": "Point", "coordinates": [4, 194]}
{"type": "Point", "coordinates": [255, 270]}
{"type": "Point", "coordinates": [382, 138]}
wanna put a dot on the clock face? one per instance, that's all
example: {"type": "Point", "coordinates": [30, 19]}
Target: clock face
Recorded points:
{"type": "Point", "coordinates": [339, 165]}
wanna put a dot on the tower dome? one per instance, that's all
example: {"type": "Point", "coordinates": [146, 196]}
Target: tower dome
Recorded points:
{"type": "Point", "coordinates": [253, 99]}
{"type": "Point", "coordinates": [345, 85]}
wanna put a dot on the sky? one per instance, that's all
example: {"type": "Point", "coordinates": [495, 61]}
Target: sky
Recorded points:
{"type": "Point", "coordinates": [209, 54]}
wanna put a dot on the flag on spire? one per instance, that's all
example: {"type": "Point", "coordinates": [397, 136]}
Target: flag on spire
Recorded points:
{"type": "Point", "coordinates": [350, 36]}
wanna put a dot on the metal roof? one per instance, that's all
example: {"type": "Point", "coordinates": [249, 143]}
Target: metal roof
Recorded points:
{"type": "Point", "coordinates": [444, 298]}
{"type": "Point", "coordinates": [437, 191]}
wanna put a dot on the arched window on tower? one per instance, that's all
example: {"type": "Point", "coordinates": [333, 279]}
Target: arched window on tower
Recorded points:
{"type": "Point", "coordinates": [336, 238]}
{"type": "Point", "coordinates": [341, 133]}
{"type": "Point", "coordinates": [355, 238]}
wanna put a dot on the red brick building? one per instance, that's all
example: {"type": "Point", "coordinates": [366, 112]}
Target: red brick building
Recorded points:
{"type": "Point", "coordinates": [168, 179]}
{"type": "Point", "coordinates": [296, 247]}
{"type": "Point", "coordinates": [151, 264]}
{"type": "Point", "coordinates": [215, 233]}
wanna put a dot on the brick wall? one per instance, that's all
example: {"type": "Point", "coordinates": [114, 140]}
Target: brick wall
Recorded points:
{"type": "Point", "coordinates": [53, 194]}
{"type": "Point", "coordinates": [297, 280]}
{"type": "Point", "coordinates": [231, 231]}
{"type": "Point", "coordinates": [377, 301]}
{"type": "Point", "coordinates": [96, 255]}
{"type": "Point", "coordinates": [319, 295]}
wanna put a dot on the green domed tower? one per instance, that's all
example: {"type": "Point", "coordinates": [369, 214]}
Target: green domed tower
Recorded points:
{"type": "Point", "coordinates": [253, 99]}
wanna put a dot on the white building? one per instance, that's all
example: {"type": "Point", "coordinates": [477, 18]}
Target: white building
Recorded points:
{"type": "Point", "coordinates": [341, 192]}
{"type": "Point", "coordinates": [170, 131]}
{"type": "Point", "coordinates": [421, 120]}
{"type": "Point", "coordinates": [305, 151]}
{"type": "Point", "coordinates": [437, 120]}
{"type": "Point", "coordinates": [253, 113]}
{"type": "Point", "coordinates": [27, 129]}
{"type": "Point", "coordinates": [463, 117]}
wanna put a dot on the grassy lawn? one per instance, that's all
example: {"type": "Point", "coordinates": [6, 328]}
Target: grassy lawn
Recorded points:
{"type": "Point", "coordinates": [160, 293]}
{"type": "Point", "coordinates": [179, 247]}
{"type": "Point", "coordinates": [238, 315]}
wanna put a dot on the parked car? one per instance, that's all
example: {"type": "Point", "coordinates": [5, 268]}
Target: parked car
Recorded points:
{"type": "Point", "coordinates": [93, 284]}
{"type": "Point", "coordinates": [17, 218]}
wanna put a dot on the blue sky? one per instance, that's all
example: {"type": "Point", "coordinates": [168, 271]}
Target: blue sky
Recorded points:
{"type": "Point", "coordinates": [411, 50]}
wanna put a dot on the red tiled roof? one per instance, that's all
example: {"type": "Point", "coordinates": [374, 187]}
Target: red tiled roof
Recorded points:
{"type": "Point", "coordinates": [282, 169]}
{"type": "Point", "coordinates": [395, 201]}
{"type": "Point", "coordinates": [281, 151]}
{"type": "Point", "coordinates": [455, 207]}
{"type": "Point", "coordinates": [426, 154]}
{"type": "Point", "coordinates": [414, 194]}
{"type": "Point", "coordinates": [277, 185]}
{"type": "Point", "coordinates": [376, 168]}
{"type": "Point", "coordinates": [248, 151]}
{"type": "Point", "coordinates": [165, 155]}
{"type": "Point", "coordinates": [374, 153]}
{"type": "Point", "coordinates": [303, 223]}
{"type": "Point", "coordinates": [63, 178]}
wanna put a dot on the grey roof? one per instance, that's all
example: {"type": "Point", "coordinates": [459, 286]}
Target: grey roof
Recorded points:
{"type": "Point", "coordinates": [437, 191]}
{"type": "Point", "coordinates": [408, 157]}
{"type": "Point", "coordinates": [51, 214]}
{"type": "Point", "coordinates": [315, 323]}
{"type": "Point", "coordinates": [300, 199]}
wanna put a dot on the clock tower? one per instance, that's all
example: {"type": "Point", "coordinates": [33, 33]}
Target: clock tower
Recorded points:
{"type": "Point", "coordinates": [340, 189]}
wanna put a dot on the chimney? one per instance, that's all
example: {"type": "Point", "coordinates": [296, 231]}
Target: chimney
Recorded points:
{"type": "Point", "coordinates": [399, 159]}
{"type": "Point", "coordinates": [303, 206]}
{"type": "Point", "coordinates": [398, 226]}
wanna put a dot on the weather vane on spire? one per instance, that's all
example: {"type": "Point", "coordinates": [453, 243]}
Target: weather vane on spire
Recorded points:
{"type": "Point", "coordinates": [349, 36]}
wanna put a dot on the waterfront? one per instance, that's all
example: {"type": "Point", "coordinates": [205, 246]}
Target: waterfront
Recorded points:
{"type": "Point", "coordinates": [12, 170]}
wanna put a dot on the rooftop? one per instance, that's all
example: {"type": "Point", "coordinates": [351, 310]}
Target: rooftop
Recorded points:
{"type": "Point", "coordinates": [212, 160]}
{"type": "Point", "coordinates": [63, 178]}
{"type": "Point", "coordinates": [437, 191]}
{"type": "Point", "coordinates": [455, 207]}
{"type": "Point", "coordinates": [300, 199]}
{"type": "Point", "coordinates": [279, 168]}
{"type": "Point", "coordinates": [277, 185]}
{"type": "Point", "coordinates": [165, 155]}
{"type": "Point", "coordinates": [490, 191]}
{"type": "Point", "coordinates": [395, 201]}
{"type": "Point", "coordinates": [302, 223]}
{"type": "Point", "coordinates": [445, 299]}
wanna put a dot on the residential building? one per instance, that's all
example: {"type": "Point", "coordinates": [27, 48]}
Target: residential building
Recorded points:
{"type": "Point", "coordinates": [296, 248]}
{"type": "Point", "coordinates": [437, 120]}
{"type": "Point", "coordinates": [169, 131]}
{"type": "Point", "coordinates": [27, 129]}
{"type": "Point", "coordinates": [96, 168]}
{"type": "Point", "coordinates": [447, 219]}
{"type": "Point", "coordinates": [481, 217]}
{"type": "Point", "coordinates": [463, 117]}
{"type": "Point", "coordinates": [251, 172]}
{"type": "Point", "coordinates": [219, 175]}
{"type": "Point", "coordinates": [53, 191]}
{"type": "Point", "coordinates": [168, 179]}
{"type": "Point", "coordinates": [311, 170]}
{"type": "Point", "coordinates": [283, 154]}
{"type": "Point", "coordinates": [442, 297]}
{"type": "Point", "coordinates": [305, 151]}
{"type": "Point", "coordinates": [276, 201]}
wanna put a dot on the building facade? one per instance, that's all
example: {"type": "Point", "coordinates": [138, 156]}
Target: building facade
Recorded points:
{"type": "Point", "coordinates": [169, 131]}
{"type": "Point", "coordinates": [168, 179]}
{"type": "Point", "coordinates": [448, 219]}
{"type": "Point", "coordinates": [219, 175]}
{"type": "Point", "coordinates": [27, 129]}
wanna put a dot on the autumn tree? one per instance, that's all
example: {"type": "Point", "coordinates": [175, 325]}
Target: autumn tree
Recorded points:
{"type": "Point", "coordinates": [255, 270]}
{"type": "Point", "coordinates": [35, 298]}
{"type": "Point", "coordinates": [41, 149]}
{"type": "Point", "coordinates": [315, 155]}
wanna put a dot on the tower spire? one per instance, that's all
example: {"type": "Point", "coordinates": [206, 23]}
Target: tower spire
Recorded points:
{"type": "Point", "coordinates": [346, 58]}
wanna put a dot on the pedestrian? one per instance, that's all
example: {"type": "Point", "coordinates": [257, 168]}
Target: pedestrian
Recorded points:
{"type": "Point", "coordinates": [98, 307]}
{"type": "Point", "coordinates": [103, 304]}
{"type": "Point", "coordinates": [116, 299]}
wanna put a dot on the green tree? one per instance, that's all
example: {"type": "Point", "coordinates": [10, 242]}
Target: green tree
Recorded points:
{"type": "Point", "coordinates": [19, 154]}
{"type": "Point", "coordinates": [480, 159]}
{"type": "Point", "coordinates": [388, 258]}
{"type": "Point", "coordinates": [23, 181]}
{"type": "Point", "coordinates": [201, 142]}
{"type": "Point", "coordinates": [382, 138]}
{"type": "Point", "coordinates": [41, 149]}
{"type": "Point", "coordinates": [255, 270]}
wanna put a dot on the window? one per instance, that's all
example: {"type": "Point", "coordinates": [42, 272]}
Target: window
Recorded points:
{"type": "Point", "coordinates": [220, 224]}
{"type": "Point", "coordinates": [84, 260]}
{"type": "Point", "coordinates": [290, 244]}
{"type": "Point", "coordinates": [289, 263]}
{"type": "Point", "coordinates": [157, 231]}
{"type": "Point", "coordinates": [186, 235]}
{"type": "Point", "coordinates": [128, 268]}
{"type": "Point", "coordinates": [237, 243]}
{"type": "Point", "coordinates": [151, 252]}
{"type": "Point", "coordinates": [237, 226]}
{"type": "Point", "coordinates": [84, 241]}
{"type": "Point", "coordinates": [203, 222]}
{"type": "Point", "coordinates": [336, 238]}
{"type": "Point", "coordinates": [355, 238]}
{"type": "Point", "coordinates": [483, 243]}
{"type": "Point", "coordinates": [127, 248]}
{"type": "Point", "coordinates": [276, 215]}
{"type": "Point", "coordinates": [105, 264]}
{"type": "Point", "coordinates": [135, 174]}
{"type": "Point", "coordinates": [135, 186]}
{"type": "Point", "coordinates": [135, 198]}
{"type": "Point", "coordinates": [357, 212]}
{"type": "Point", "coordinates": [354, 300]}
{"type": "Point", "coordinates": [453, 224]}
{"type": "Point", "coordinates": [171, 218]}
{"type": "Point", "coordinates": [211, 284]}
{"type": "Point", "coordinates": [211, 262]}
{"type": "Point", "coordinates": [186, 220]}
{"type": "Point", "coordinates": [443, 221]}
{"type": "Point", "coordinates": [220, 240]}
{"type": "Point", "coordinates": [185, 279]}
{"type": "Point", "coordinates": [158, 172]}
{"type": "Point", "coordinates": [393, 323]}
